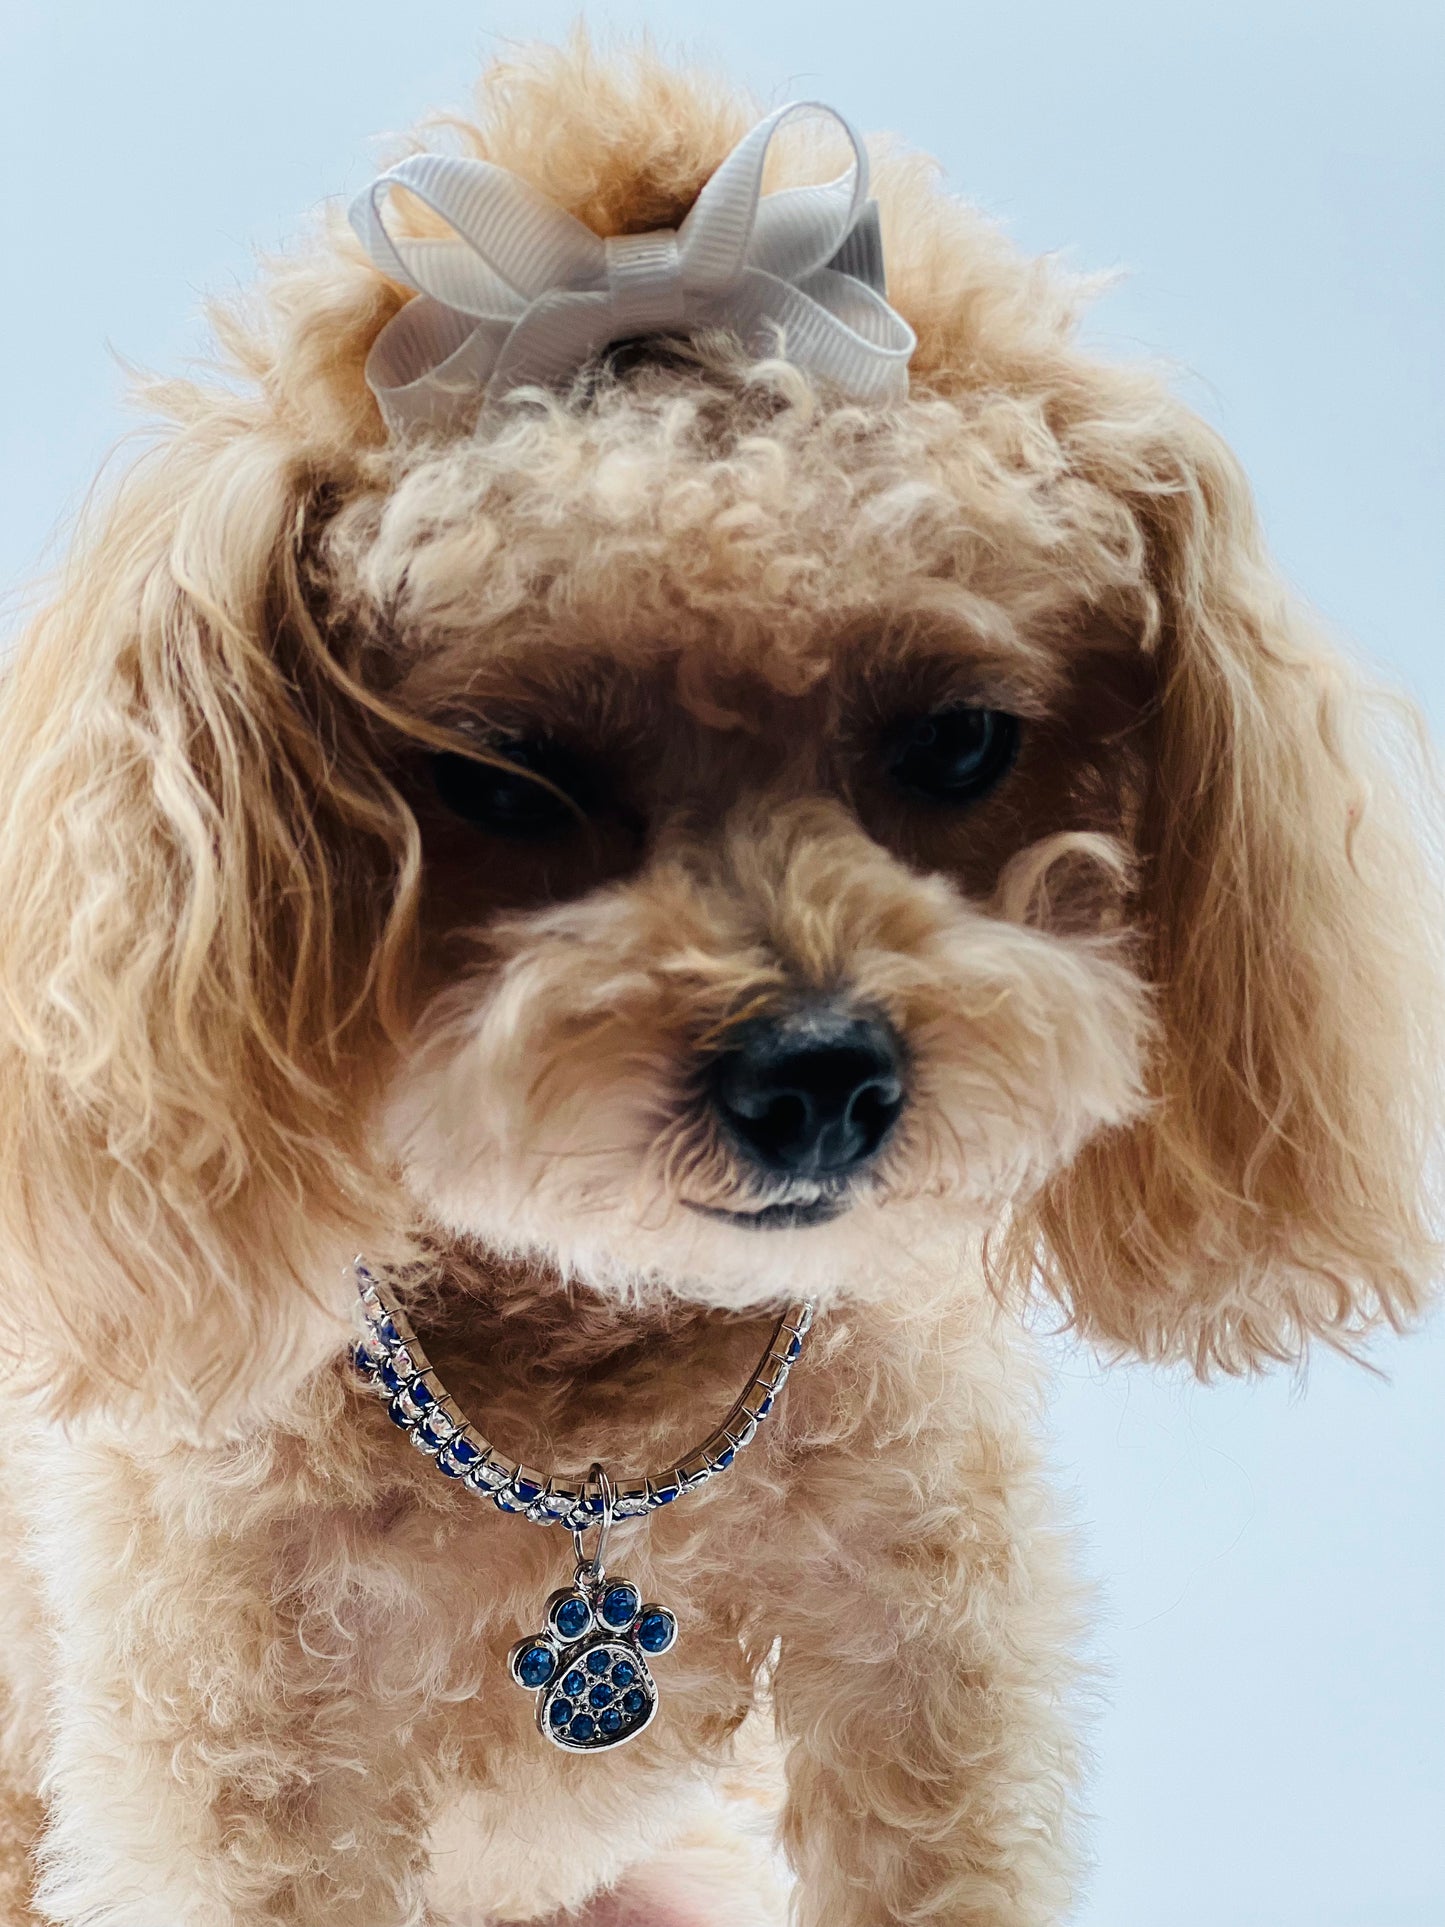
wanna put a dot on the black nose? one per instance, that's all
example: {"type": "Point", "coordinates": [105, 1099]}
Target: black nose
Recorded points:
{"type": "Point", "coordinates": [813, 1094]}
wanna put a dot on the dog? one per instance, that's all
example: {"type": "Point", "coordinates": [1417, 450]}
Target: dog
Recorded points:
{"type": "Point", "coordinates": [630, 853]}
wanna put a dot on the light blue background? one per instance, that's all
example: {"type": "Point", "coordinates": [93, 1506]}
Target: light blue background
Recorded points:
{"type": "Point", "coordinates": [1272, 1749]}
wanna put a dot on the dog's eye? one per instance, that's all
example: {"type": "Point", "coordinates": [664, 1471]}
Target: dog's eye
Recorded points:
{"type": "Point", "coordinates": [512, 801]}
{"type": "Point", "coordinates": [953, 755]}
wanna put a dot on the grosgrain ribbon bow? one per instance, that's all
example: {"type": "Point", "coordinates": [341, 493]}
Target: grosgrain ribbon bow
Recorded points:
{"type": "Point", "coordinates": [526, 293]}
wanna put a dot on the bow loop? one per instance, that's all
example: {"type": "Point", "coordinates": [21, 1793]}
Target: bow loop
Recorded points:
{"type": "Point", "coordinates": [523, 292]}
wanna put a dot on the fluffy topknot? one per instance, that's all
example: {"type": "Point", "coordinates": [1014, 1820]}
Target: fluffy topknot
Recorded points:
{"type": "Point", "coordinates": [625, 142]}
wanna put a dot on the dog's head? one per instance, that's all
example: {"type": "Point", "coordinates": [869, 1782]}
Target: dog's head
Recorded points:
{"type": "Point", "coordinates": [701, 833]}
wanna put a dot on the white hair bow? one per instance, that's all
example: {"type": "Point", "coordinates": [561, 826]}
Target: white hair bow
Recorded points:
{"type": "Point", "coordinates": [526, 292]}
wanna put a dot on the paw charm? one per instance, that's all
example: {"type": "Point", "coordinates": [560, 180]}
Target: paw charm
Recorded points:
{"type": "Point", "coordinates": [588, 1667]}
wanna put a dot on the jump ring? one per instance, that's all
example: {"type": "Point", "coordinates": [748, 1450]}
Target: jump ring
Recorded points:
{"type": "Point", "coordinates": [598, 1476]}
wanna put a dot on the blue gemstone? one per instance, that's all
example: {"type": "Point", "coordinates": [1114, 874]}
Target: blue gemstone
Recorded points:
{"type": "Point", "coordinates": [600, 1694]}
{"type": "Point", "coordinates": [364, 1362]}
{"type": "Point", "coordinates": [387, 1332]}
{"type": "Point", "coordinates": [724, 1459]}
{"type": "Point", "coordinates": [584, 1727]}
{"type": "Point", "coordinates": [526, 1490]}
{"type": "Point", "coordinates": [536, 1666]}
{"type": "Point", "coordinates": [463, 1453]}
{"type": "Point", "coordinates": [611, 1720]}
{"type": "Point", "coordinates": [623, 1673]}
{"type": "Point", "coordinates": [390, 1377]}
{"type": "Point", "coordinates": [398, 1416]}
{"type": "Point", "coordinates": [560, 1714]}
{"type": "Point", "coordinates": [504, 1501]}
{"type": "Point", "coordinates": [598, 1661]}
{"type": "Point", "coordinates": [654, 1631]}
{"type": "Point", "coordinates": [422, 1395]}
{"type": "Point", "coordinates": [664, 1494]}
{"type": "Point", "coordinates": [429, 1435]}
{"type": "Point", "coordinates": [445, 1466]}
{"type": "Point", "coordinates": [574, 1684]}
{"type": "Point", "coordinates": [619, 1603]}
{"type": "Point", "coordinates": [764, 1406]}
{"type": "Point", "coordinates": [572, 1617]}
{"type": "Point", "coordinates": [590, 1508]}
{"type": "Point", "coordinates": [634, 1702]}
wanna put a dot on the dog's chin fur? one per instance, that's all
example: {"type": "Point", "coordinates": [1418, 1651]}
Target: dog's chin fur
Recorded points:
{"type": "Point", "coordinates": [1166, 1000]}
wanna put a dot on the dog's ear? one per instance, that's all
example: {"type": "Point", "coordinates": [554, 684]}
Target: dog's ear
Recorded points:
{"type": "Point", "coordinates": [204, 882]}
{"type": "Point", "coordinates": [1278, 1189]}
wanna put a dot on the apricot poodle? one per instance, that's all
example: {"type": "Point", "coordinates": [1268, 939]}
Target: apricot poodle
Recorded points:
{"type": "Point", "coordinates": [641, 852]}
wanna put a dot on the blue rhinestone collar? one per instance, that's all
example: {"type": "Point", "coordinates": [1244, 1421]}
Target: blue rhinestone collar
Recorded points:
{"type": "Point", "coordinates": [390, 1361]}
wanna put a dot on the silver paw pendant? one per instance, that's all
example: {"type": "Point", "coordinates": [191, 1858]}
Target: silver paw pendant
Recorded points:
{"type": "Point", "coordinates": [588, 1666]}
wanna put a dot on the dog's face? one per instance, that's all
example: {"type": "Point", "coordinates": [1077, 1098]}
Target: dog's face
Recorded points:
{"type": "Point", "coordinates": [699, 833]}
{"type": "Point", "coordinates": [786, 932]}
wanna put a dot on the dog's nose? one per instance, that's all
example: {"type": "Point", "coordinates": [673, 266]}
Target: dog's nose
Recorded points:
{"type": "Point", "coordinates": [810, 1095]}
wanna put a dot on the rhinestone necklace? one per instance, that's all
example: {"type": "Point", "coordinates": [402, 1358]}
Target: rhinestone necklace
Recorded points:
{"type": "Point", "coordinates": [588, 1666]}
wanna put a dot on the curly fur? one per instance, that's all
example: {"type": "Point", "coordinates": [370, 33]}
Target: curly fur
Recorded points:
{"type": "Point", "coordinates": [1169, 998]}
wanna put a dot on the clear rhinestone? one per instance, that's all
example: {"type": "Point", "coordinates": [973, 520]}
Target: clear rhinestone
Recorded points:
{"type": "Point", "coordinates": [554, 1504]}
{"type": "Point", "coordinates": [491, 1475]}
